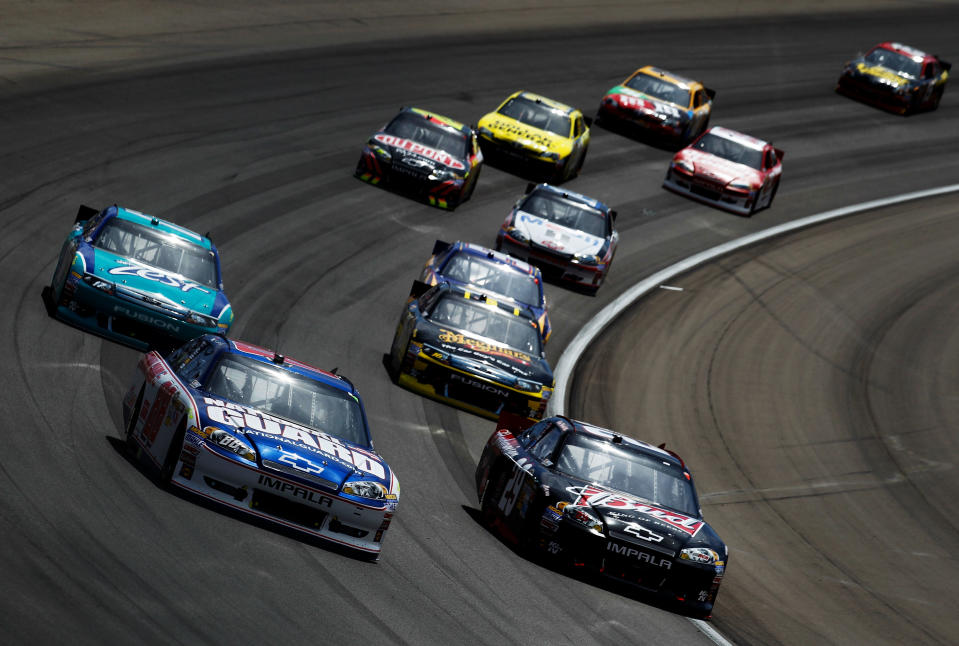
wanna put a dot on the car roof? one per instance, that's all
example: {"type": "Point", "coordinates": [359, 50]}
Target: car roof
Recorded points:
{"type": "Point", "coordinates": [606, 435]}
{"type": "Point", "coordinates": [287, 363]}
{"type": "Point", "coordinates": [539, 98]}
{"type": "Point", "coordinates": [738, 137]}
{"type": "Point", "coordinates": [915, 54]}
{"type": "Point", "coordinates": [498, 257]}
{"type": "Point", "coordinates": [572, 195]}
{"type": "Point", "coordinates": [163, 226]}
{"type": "Point", "coordinates": [502, 303]}
{"type": "Point", "coordinates": [438, 119]}
{"type": "Point", "coordinates": [668, 76]}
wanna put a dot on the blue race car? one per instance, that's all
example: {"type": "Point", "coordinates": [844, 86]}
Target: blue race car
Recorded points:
{"type": "Point", "coordinates": [138, 280]}
{"type": "Point", "coordinates": [465, 263]}
{"type": "Point", "coordinates": [265, 435]}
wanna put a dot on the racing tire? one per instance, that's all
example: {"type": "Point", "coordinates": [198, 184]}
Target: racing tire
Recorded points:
{"type": "Point", "coordinates": [936, 98]}
{"type": "Point", "coordinates": [469, 191]}
{"type": "Point", "coordinates": [172, 455]}
{"type": "Point", "coordinates": [772, 195]}
{"type": "Point", "coordinates": [579, 164]}
{"type": "Point", "coordinates": [396, 358]}
{"type": "Point", "coordinates": [131, 444]}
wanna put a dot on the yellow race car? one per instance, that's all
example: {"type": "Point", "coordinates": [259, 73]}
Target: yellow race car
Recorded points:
{"type": "Point", "coordinates": [539, 136]}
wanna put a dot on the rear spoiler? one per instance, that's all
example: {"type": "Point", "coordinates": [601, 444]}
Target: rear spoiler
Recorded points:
{"type": "Point", "coordinates": [419, 288]}
{"type": "Point", "coordinates": [440, 246]}
{"type": "Point", "coordinates": [513, 422]}
{"type": "Point", "coordinates": [84, 213]}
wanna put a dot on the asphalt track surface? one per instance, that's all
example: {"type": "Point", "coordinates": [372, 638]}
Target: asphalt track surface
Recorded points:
{"type": "Point", "coordinates": [810, 382]}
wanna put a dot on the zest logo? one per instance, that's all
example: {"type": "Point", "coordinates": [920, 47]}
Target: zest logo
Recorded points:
{"type": "Point", "coordinates": [156, 276]}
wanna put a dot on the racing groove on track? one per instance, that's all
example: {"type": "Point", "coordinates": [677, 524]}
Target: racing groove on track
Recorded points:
{"type": "Point", "coordinates": [260, 152]}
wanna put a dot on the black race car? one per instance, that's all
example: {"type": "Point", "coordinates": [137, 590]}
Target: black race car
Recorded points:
{"type": "Point", "coordinates": [482, 353]}
{"type": "Point", "coordinates": [423, 154]}
{"type": "Point", "coordinates": [608, 504]}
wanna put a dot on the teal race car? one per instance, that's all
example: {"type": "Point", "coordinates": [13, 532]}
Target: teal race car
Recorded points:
{"type": "Point", "coordinates": [139, 280]}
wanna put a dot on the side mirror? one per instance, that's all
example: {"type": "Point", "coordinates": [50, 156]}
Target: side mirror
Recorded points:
{"type": "Point", "coordinates": [779, 154]}
{"type": "Point", "coordinates": [711, 93]}
{"type": "Point", "coordinates": [612, 214]}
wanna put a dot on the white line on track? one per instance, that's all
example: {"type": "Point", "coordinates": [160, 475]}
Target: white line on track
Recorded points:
{"type": "Point", "coordinates": [567, 362]}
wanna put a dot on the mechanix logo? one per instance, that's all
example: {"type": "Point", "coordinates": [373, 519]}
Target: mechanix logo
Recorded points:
{"type": "Point", "coordinates": [156, 276]}
{"type": "Point", "coordinates": [419, 149]}
{"type": "Point", "coordinates": [525, 132]}
{"type": "Point", "coordinates": [596, 497]}
{"type": "Point", "coordinates": [299, 492]}
{"type": "Point", "coordinates": [639, 555]}
{"type": "Point", "coordinates": [475, 383]}
{"type": "Point", "coordinates": [448, 336]}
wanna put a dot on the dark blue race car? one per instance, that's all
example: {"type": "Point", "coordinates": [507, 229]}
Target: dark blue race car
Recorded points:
{"type": "Point", "coordinates": [139, 280]}
{"type": "Point", "coordinates": [265, 435]}
{"type": "Point", "coordinates": [489, 271]}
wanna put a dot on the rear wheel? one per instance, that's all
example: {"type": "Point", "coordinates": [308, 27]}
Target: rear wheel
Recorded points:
{"type": "Point", "coordinates": [772, 195]}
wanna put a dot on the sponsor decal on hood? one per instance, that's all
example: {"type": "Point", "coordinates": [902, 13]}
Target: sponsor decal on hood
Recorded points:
{"type": "Point", "coordinates": [248, 419]}
{"type": "Point", "coordinates": [596, 497]}
{"type": "Point", "coordinates": [721, 170]}
{"type": "Point", "coordinates": [518, 130]}
{"type": "Point", "coordinates": [883, 73]}
{"type": "Point", "coordinates": [630, 98]}
{"type": "Point", "coordinates": [169, 288]}
{"type": "Point", "coordinates": [557, 237]}
{"type": "Point", "coordinates": [440, 156]}
{"type": "Point", "coordinates": [483, 347]}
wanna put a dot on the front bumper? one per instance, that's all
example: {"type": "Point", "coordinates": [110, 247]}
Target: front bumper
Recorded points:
{"type": "Point", "coordinates": [640, 121]}
{"type": "Point", "coordinates": [444, 194]}
{"type": "Point", "coordinates": [124, 319]}
{"type": "Point", "coordinates": [639, 566]}
{"type": "Point", "coordinates": [735, 202]}
{"type": "Point", "coordinates": [506, 152]}
{"type": "Point", "coordinates": [471, 392]}
{"type": "Point", "coordinates": [276, 497]}
{"type": "Point", "coordinates": [553, 265]}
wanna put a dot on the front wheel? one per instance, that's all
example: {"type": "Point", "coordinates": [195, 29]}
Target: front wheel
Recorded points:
{"type": "Point", "coordinates": [172, 455]}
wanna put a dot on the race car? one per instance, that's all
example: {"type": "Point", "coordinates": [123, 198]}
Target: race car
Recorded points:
{"type": "Point", "coordinates": [897, 77]}
{"type": "Point", "coordinates": [659, 103]}
{"type": "Point", "coordinates": [569, 236]}
{"type": "Point", "coordinates": [138, 280]}
{"type": "Point", "coordinates": [605, 504]}
{"type": "Point", "coordinates": [472, 351]}
{"type": "Point", "coordinates": [425, 155]}
{"type": "Point", "coordinates": [540, 136]}
{"type": "Point", "coordinates": [727, 169]}
{"type": "Point", "coordinates": [489, 271]}
{"type": "Point", "coordinates": [265, 435]}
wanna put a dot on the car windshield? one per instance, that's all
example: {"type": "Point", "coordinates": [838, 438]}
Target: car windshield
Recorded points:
{"type": "Point", "coordinates": [496, 277]}
{"type": "Point", "coordinates": [899, 63]}
{"type": "Point", "coordinates": [158, 249]}
{"type": "Point", "coordinates": [537, 115]}
{"type": "Point", "coordinates": [417, 128]}
{"type": "Point", "coordinates": [489, 322]}
{"type": "Point", "coordinates": [659, 89]}
{"type": "Point", "coordinates": [567, 213]}
{"type": "Point", "coordinates": [632, 472]}
{"type": "Point", "coordinates": [731, 150]}
{"type": "Point", "coordinates": [293, 397]}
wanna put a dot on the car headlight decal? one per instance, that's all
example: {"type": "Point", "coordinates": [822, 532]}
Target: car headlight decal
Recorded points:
{"type": "Point", "coordinates": [366, 489]}
{"type": "Point", "coordinates": [702, 555]}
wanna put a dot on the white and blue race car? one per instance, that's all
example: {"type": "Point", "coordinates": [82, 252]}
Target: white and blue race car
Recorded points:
{"type": "Point", "coordinates": [265, 435]}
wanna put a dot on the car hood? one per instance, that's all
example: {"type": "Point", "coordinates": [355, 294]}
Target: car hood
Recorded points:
{"type": "Point", "coordinates": [644, 104]}
{"type": "Point", "coordinates": [884, 74]}
{"type": "Point", "coordinates": [557, 237]}
{"type": "Point", "coordinates": [169, 289]}
{"type": "Point", "coordinates": [419, 155]}
{"type": "Point", "coordinates": [637, 521]}
{"type": "Point", "coordinates": [285, 446]}
{"type": "Point", "coordinates": [512, 130]}
{"type": "Point", "coordinates": [464, 351]}
{"type": "Point", "coordinates": [720, 170]}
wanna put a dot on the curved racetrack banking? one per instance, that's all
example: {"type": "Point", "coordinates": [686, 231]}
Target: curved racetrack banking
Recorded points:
{"type": "Point", "coordinates": [251, 130]}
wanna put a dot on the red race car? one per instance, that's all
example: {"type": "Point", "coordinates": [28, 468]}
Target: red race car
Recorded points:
{"type": "Point", "coordinates": [727, 169]}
